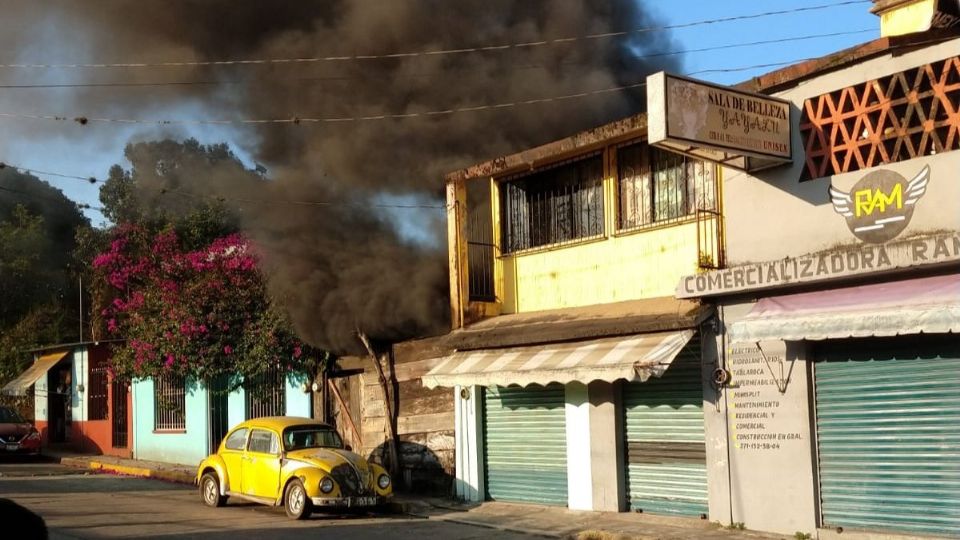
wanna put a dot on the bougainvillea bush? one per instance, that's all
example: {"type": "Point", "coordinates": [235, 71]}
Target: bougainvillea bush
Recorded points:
{"type": "Point", "coordinates": [202, 313]}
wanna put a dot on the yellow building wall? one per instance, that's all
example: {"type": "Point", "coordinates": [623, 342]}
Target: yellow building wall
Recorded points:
{"type": "Point", "coordinates": [643, 264]}
{"type": "Point", "coordinates": [908, 18]}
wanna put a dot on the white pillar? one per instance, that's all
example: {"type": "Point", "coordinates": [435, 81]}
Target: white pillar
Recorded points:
{"type": "Point", "coordinates": [468, 415]}
{"type": "Point", "coordinates": [579, 474]}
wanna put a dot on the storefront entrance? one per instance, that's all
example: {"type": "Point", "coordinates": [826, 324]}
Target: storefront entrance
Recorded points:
{"type": "Point", "coordinates": [525, 444]}
{"type": "Point", "coordinates": [888, 434]}
{"type": "Point", "coordinates": [665, 446]}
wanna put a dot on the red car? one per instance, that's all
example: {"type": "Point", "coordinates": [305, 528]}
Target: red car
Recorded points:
{"type": "Point", "coordinates": [17, 435]}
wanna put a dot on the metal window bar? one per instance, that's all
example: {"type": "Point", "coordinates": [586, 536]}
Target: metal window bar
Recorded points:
{"type": "Point", "coordinates": [553, 206]}
{"type": "Point", "coordinates": [266, 394]}
{"type": "Point", "coordinates": [169, 399]}
{"type": "Point", "coordinates": [97, 391]}
{"type": "Point", "coordinates": [657, 187]}
{"type": "Point", "coordinates": [119, 420]}
{"type": "Point", "coordinates": [480, 253]}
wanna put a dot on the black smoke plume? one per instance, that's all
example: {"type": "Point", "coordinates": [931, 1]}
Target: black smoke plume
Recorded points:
{"type": "Point", "coordinates": [346, 265]}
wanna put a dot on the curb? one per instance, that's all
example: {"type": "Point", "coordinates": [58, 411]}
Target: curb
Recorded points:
{"type": "Point", "coordinates": [126, 470]}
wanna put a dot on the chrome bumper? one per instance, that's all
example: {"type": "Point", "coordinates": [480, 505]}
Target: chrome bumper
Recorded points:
{"type": "Point", "coordinates": [348, 502]}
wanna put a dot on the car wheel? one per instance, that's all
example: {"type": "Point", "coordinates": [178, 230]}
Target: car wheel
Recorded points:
{"type": "Point", "coordinates": [296, 502]}
{"type": "Point", "coordinates": [210, 490]}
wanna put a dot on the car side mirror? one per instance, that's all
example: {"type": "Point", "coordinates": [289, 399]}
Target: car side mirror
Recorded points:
{"type": "Point", "coordinates": [348, 448]}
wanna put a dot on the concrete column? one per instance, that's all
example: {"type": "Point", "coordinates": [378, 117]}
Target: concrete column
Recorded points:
{"type": "Point", "coordinates": [579, 447]}
{"type": "Point", "coordinates": [606, 447]}
{"type": "Point", "coordinates": [468, 415]}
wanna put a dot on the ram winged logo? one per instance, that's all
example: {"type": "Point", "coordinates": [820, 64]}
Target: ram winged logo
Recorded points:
{"type": "Point", "coordinates": [880, 205]}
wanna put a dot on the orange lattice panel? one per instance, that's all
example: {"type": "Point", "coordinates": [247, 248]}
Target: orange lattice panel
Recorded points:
{"type": "Point", "coordinates": [898, 117]}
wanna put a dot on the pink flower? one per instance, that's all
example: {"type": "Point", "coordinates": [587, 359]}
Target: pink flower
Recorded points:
{"type": "Point", "coordinates": [112, 325]}
{"type": "Point", "coordinates": [297, 351]}
{"type": "Point", "coordinates": [170, 360]}
{"type": "Point", "coordinates": [227, 349]}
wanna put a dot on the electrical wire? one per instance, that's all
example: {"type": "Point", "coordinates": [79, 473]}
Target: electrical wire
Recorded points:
{"type": "Point", "coordinates": [428, 75]}
{"type": "Point", "coordinates": [81, 206]}
{"type": "Point", "coordinates": [436, 52]}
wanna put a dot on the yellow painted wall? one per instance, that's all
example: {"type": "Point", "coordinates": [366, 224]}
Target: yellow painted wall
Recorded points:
{"type": "Point", "coordinates": [908, 18]}
{"type": "Point", "coordinates": [644, 264]}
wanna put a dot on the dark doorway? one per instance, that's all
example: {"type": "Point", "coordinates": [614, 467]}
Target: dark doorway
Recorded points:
{"type": "Point", "coordinates": [217, 393]}
{"type": "Point", "coordinates": [59, 406]}
{"type": "Point", "coordinates": [119, 416]}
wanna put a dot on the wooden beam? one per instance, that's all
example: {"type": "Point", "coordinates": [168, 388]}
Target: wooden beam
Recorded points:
{"type": "Point", "coordinates": [425, 423]}
{"type": "Point", "coordinates": [345, 410]}
{"type": "Point", "coordinates": [457, 250]}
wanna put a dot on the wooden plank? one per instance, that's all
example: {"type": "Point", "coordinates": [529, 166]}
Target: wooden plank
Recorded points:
{"type": "Point", "coordinates": [425, 423]}
{"type": "Point", "coordinates": [419, 349]}
{"type": "Point", "coordinates": [427, 404]}
{"type": "Point", "coordinates": [410, 371]}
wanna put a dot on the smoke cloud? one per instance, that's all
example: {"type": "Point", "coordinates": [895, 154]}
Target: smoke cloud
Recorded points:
{"type": "Point", "coordinates": [344, 266]}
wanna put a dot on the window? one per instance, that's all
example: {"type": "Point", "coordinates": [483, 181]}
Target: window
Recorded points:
{"type": "Point", "coordinates": [300, 437]}
{"type": "Point", "coordinates": [553, 206]}
{"type": "Point", "coordinates": [236, 440]}
{"type": "Point", "coordinates": [266, 394]}
{"type": "Point", "coordinates": [97, 396]}
{"type": "Point", "coordinates": [263, 442]}
{"type": "Point", "coordinates": [656, 186]}
{"type": "Point", "coordinates": [169, 402]}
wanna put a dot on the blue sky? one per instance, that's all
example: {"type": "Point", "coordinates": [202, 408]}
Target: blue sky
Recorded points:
{"type": "Point", "coordinates": [69, 148]}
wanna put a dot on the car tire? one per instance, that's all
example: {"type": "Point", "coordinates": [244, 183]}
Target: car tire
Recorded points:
{"type": "Point", "coordinates": [296, 502]}
{"type": "Point", "coordinates": [210, 491]}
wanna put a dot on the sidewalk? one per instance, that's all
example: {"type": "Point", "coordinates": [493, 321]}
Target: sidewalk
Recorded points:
{"type": "Point", "coordinates": [553, 522]}
{"type": "Point", "coordinates": [549, 522]}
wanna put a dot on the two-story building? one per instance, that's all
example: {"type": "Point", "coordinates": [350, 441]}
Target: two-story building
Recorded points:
{"type": "Point", "coordinates": [837, 382]}
{"type": "Point", "coordinates": [577, 373]}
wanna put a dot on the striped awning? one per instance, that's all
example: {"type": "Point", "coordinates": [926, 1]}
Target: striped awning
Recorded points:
{"type": "Point", "coordinates": [19, 386]}
{"type": "Point", "coordinates": [633, 358]}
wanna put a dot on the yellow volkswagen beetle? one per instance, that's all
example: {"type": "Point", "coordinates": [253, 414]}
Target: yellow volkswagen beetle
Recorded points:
{"type": "Point", "coordinates": [299, 463]}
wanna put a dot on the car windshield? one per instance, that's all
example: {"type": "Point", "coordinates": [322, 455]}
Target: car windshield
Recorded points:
{"type": "Point", "coordinates": [300, 437]}
{"type": "Point", "coordinates": [10, 416]}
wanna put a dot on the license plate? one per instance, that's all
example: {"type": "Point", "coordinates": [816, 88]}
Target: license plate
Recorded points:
{"type": "Point", "coordinates": [363, 501]}
{"type": "Point", "coordinates": [13, 447]}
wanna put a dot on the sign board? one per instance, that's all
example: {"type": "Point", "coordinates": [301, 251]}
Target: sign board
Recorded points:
{"type": "Point", "coordinates": [824, 266]}
{"type": "Point", "coordinates": [737, 129]}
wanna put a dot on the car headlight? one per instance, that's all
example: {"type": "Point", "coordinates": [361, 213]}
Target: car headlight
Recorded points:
{"type": "Point", "coordinates": [383, 481]}
{"type": "Point", "coordinates": [326, 485]}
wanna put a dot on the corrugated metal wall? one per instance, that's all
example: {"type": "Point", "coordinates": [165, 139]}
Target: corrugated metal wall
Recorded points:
{"type": "Point", "coordinates": [888, 429]}
{"type": "Point", "coordinates": [666, 448]}
{"type": "Point", "coordinates": [525, 444]}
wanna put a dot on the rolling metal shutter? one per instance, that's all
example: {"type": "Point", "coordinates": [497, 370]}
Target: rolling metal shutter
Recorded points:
{"type": "Point", "coordinates": [666, 448]}
{"type": "Point", "coordinates": [888, 433]}
{"type": "Point", "coordinates": [525, 444]}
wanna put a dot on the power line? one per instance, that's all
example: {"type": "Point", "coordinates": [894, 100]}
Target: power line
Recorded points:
{"type": "Point", "coordinates": [81, 206]}
{"type": "Point", "coordinates": [428, 75]}
{"type": "Point", "coordinates": [435, 52]}
{"type": "Point", "coordinates": [84, 120]}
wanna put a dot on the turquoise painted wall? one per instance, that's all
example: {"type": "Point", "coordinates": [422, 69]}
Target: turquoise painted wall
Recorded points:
{"type": "Point", "coordinates": [188, 447]}
{"type": "Point", "coordinates": [298, 401]}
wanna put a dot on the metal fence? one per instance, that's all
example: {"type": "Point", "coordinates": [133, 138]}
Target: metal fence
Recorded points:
{"type": "Point", "coordinates": [553, 206]}
{"type": "Point", "coordinates": [119, 420]}
{"type": "Point", "coordinates": [169, 402]}
{"type": "Point", "coordinates": [657, 187]}
{"type": "Point", "coordinates": [97, 391]}
{"type": "Point", "coordinates": [266, 394]}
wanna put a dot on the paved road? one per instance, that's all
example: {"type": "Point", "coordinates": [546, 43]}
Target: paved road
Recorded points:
{"type": "Point", "coordinates": [77, 505]}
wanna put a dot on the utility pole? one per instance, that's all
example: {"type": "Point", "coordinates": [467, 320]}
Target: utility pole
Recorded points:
{"type": "Point", "coordinates": [81, 308]}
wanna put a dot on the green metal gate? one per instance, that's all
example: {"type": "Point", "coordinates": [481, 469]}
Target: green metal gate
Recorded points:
{"type": "Point", "coordinates": [525, 444]}
{"type": "Point", "coordinates": [888, 433]}
{"type": "Point", "coordinates": [665, 442]}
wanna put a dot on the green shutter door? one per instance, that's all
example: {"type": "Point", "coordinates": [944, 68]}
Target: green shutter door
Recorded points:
{"type": "Point", "coordinates": [888, 432]}
{"type": "Point", "coordinates": [525, 444]}
{"type": "Point", "coordinates": [666, 447]}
